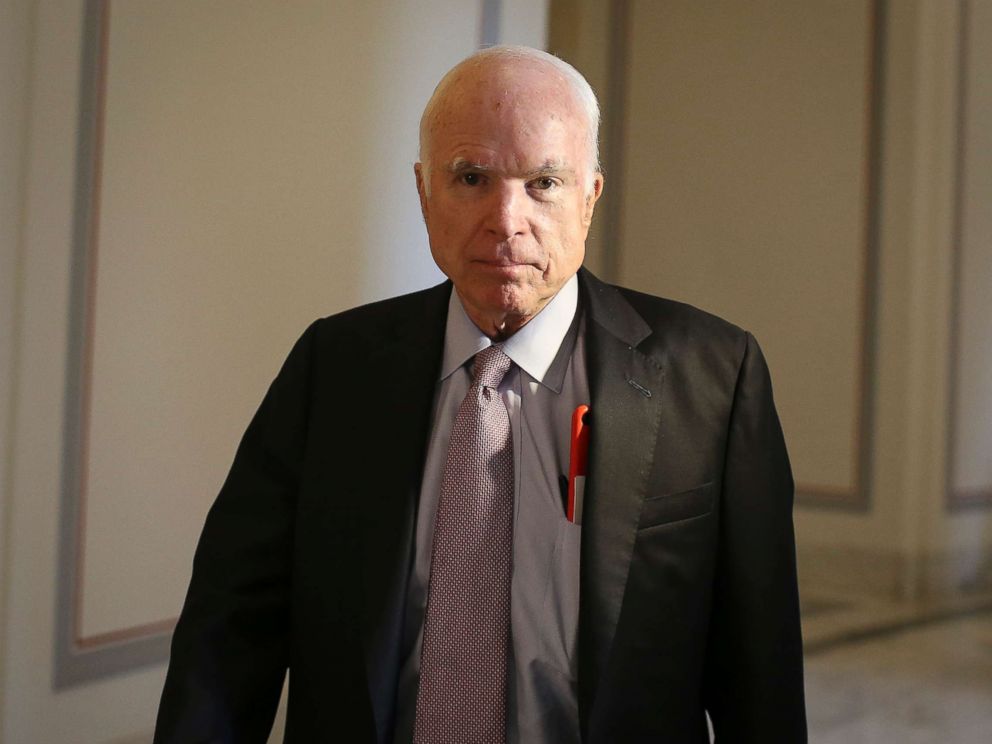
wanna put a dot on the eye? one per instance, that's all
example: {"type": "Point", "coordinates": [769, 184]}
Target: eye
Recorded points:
{"type": "Point", "coordinates": [544, 183]}
{"type": "Point", "coordinates": [471, 179]}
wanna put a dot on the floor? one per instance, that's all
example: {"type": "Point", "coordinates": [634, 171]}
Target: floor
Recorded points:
{"type": "Point", "coordinates": [889, 673]}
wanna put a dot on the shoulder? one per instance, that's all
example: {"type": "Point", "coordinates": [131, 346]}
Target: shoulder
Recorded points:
{"type": "Point", "coordinates": [417, 313]}
{"type": "Point", "coordinates": [685, 321]}
{"type": "Point", "coordinates": [664, 327]}
{"type": "Point", "coordinates": [386, 314]}
{"type": "Point", "coordinates": [704, 357]}
{"type": "Point", "coordinates": [361, 335]}
{"type": "Point", "coordinates": [700, 344]}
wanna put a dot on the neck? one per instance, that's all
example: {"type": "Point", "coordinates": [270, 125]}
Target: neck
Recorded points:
{"type": "Point", "coordinates": [498, 327]}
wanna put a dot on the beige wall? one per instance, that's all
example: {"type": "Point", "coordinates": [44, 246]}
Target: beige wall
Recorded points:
{"type": "Point", "coordinates": [250, 183]}
{"type": "Point", "coordinates": [969, 531]}
{"type": "Point", "coordinates": [15, 32]}
{"type": "Point", "coordinates": [972, 422]}
{"type": "Point", "coordinates": [234, 135]}
{"type": "Point", "coordinates": [579, 31]}
{"type": "Point", "coordinates": [744, 193]}
{"type": "Point", "coordinates": [256, 174]}
{"type": "Point", "coordinates": [48, 70]}
{"type": "Point", "coordinates": [745, 175]}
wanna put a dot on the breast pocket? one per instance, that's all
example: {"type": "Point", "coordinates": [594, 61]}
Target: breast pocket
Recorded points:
{"type": "Point", "coordinates": [676, 507]}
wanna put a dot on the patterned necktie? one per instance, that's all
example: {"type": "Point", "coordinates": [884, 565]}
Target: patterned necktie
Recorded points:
{"type": "Point", "coordinates": [463, 662]}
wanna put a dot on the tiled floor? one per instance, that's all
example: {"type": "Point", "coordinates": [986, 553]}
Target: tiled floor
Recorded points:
{"type": "Point", "coordinates": [898, 674]}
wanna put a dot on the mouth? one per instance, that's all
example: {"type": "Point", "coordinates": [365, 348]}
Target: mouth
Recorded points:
{"type": "Point", "coordinates": [504, 267]}
{"type": "Point", "coordinates": [503, 262]}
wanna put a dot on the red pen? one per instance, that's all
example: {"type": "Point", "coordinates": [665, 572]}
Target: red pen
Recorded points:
{"type": "Point", "coordinates": [578, 457]}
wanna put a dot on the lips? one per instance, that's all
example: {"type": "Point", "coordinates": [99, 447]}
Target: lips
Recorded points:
{"type": "Point", "coordinates": [503, 263]}
{"type": "Point", "coordinates": [504, 267]}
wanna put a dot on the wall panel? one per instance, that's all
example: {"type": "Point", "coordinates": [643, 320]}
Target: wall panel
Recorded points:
{"type": "Point", "coordinates": [971, 365]}
{"type": "Point", "coordinates": [747, 190]}
{"type": "Point", "coordinates": [244, 169]}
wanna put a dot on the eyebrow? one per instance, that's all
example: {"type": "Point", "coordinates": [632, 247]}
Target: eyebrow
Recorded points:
{"type": "Point", "coordinates": [548, 168]}
{"type": "Point", "coordinates": [461, 165]}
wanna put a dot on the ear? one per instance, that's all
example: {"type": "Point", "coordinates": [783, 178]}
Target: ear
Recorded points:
{"type": "Point", "coordinates": [418, 172]}
{"type": "Point", "coordinates": [592, 198]}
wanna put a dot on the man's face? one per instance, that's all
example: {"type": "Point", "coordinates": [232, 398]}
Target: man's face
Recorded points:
{"type": "Point", "coordinates": [511, 191]}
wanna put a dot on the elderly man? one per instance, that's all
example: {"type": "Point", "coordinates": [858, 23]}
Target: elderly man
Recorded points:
{"type": "Point", "coordinates": [405, 526]}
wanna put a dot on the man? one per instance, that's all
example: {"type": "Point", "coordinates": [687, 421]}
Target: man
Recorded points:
{"type": "Point", "coordinates": [395, 527]}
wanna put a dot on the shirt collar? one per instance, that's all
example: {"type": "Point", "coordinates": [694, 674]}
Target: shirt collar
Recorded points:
{"type": "Point", "coordinates": [533, 348]}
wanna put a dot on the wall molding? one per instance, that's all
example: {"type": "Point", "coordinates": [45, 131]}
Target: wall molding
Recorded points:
{"type": "Point", "coordinates": [959, 498]}
{"type": "Point", "coordinates": [80, 658]}
{"type": "Point", "coordinates": [490, 20]}
{"type": "Point", "coordinates": [879, 573]}
{"type": "Point", "coordinates": [614, 129]}
{"type": "Point", "coordinates": [856, 498]}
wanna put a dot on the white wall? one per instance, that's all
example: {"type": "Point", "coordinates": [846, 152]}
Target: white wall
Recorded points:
{"type": "Point", "coordinates": [257, 173]}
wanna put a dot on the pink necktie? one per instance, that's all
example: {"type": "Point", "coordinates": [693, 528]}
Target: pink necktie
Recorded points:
{"type": "Point", "coordinates": [462, 693]}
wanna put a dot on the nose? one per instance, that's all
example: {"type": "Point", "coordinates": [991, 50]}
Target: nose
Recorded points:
{"type": "Point", "coordinates": [509, 212]}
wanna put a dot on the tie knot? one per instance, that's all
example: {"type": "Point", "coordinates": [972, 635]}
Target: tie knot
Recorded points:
{"type": "Point", "coordinates": [489, 367]}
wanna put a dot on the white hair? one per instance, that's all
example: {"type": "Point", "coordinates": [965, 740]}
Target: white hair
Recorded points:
{"type": "Point", "coordinates": [578, 85]}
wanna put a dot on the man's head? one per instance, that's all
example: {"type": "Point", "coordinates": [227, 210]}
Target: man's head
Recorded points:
{"type": "Point", "coordinates": [508, 180]}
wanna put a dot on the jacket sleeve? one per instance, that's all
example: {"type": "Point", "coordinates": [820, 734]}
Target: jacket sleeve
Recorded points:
{"type": "Point", "coordinates": [754, 669]}
{"type": "Point", "coordinates": [230, 648]}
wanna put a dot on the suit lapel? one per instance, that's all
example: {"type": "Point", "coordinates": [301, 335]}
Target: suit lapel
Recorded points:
{"type": "Point", "coordinates": [625, 391]}
{"type": "Point", "coordinates": [403, 377]}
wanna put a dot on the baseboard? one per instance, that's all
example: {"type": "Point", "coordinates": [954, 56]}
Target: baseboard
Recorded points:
{"type": "Point", "coordinates": [889, 575]}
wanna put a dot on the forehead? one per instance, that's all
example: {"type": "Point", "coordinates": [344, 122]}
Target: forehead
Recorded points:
{"type": "Point", "coordinates": [519, 109]}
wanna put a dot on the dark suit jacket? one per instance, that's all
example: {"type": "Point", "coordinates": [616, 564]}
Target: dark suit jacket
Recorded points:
{"type": "Point", "coordinates": [688, 583]}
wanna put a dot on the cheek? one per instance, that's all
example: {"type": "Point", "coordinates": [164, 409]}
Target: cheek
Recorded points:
{"type": "Point", "coordinates": [454, 230]}
{"type": "Point", "coordinates": [443, 234]}
{"type": "Point", "coordinates": [567, 248]}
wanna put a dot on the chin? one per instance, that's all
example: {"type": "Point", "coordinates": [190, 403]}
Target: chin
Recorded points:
{"type": "Point", "coordinates": [516, 301]}
{"type": "Point", "coordinates": [509, 299]}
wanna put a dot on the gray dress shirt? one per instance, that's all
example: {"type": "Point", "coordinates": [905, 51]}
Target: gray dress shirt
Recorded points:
{"type": "Point", "coordinates": [545, 385]}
